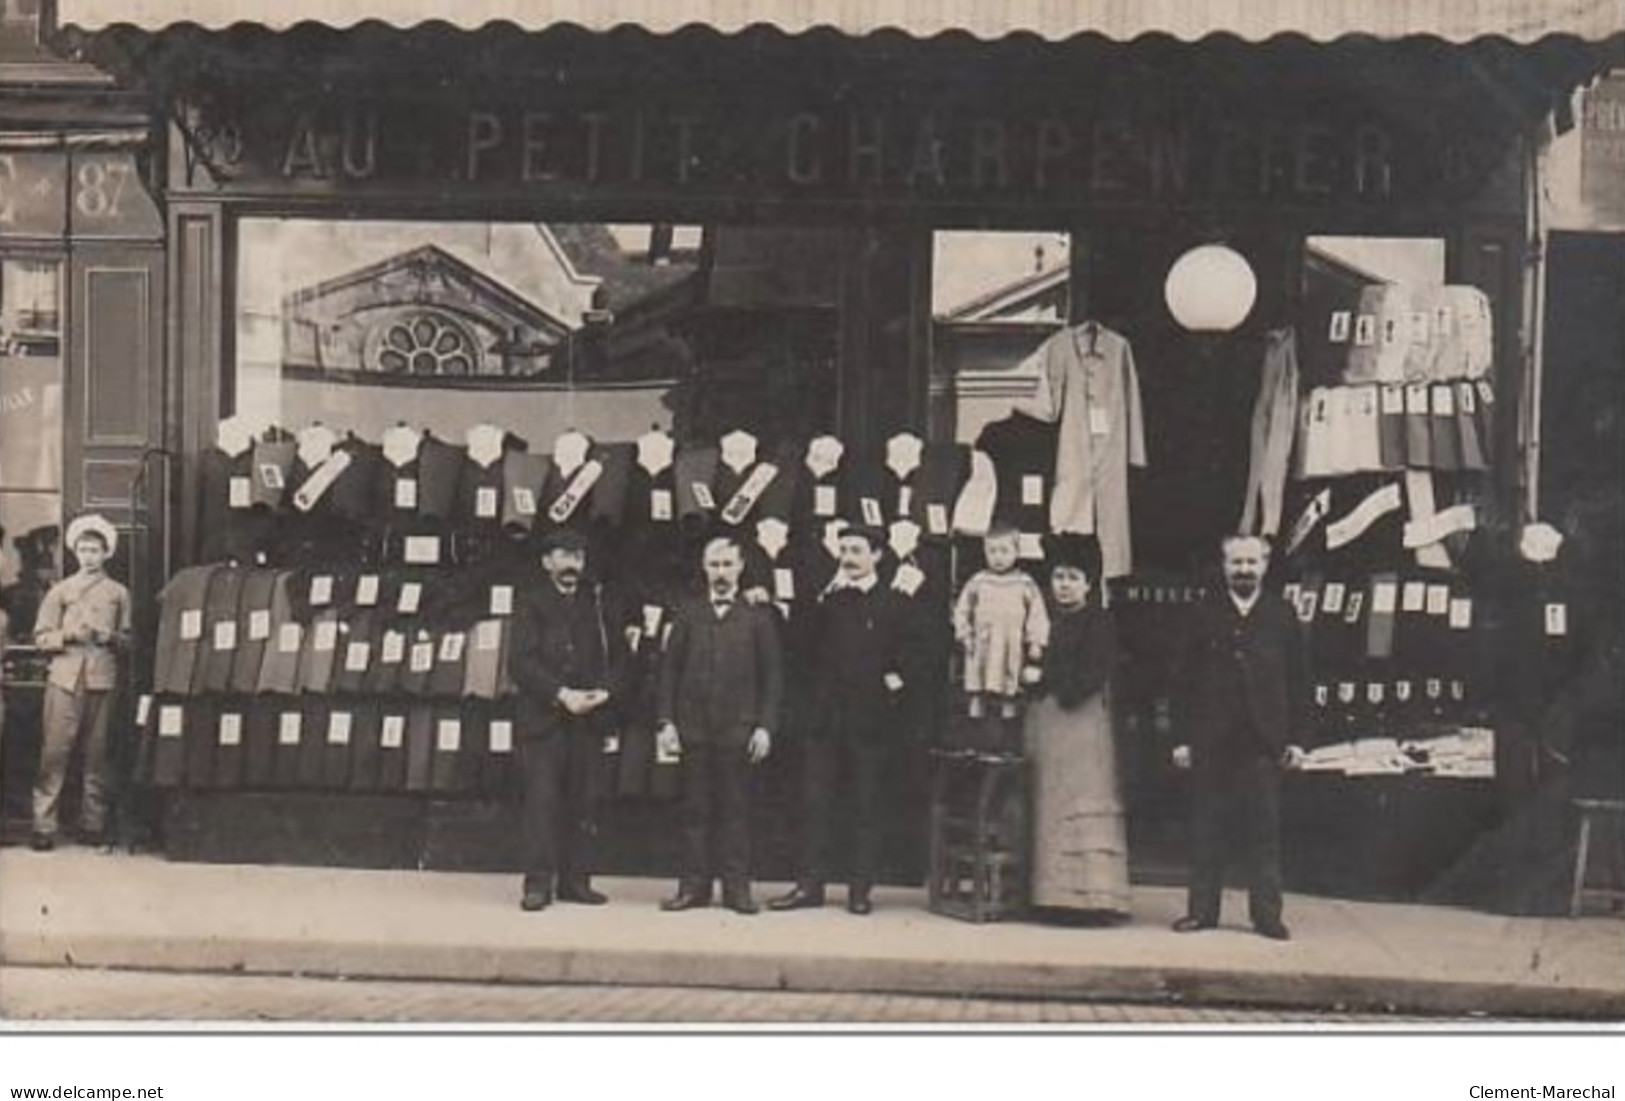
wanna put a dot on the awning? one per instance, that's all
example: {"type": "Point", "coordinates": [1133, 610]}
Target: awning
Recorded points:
{"type": "Point", "coordinates": [1456, 21]}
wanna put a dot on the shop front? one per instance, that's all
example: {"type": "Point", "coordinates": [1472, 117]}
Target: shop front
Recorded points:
{"type": "Point", "coordinates": [657, 284]}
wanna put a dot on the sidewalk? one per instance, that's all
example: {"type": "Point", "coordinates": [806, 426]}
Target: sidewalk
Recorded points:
{"type": "Point", "coordinates": [79, 909]}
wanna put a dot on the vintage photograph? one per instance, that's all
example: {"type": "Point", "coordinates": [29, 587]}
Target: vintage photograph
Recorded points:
{"type": "Point", "coordinates": [812, 514]}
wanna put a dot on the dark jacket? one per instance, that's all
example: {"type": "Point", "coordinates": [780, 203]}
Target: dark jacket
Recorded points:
{"type": "Point", "coordinates": [859, 639]}
{"type": "Point", "coordinates": [565, 642]}
{"type": "Point", "coordinates": [721, 678]}
{"type": "Point", "coordinates": [1241, 682]}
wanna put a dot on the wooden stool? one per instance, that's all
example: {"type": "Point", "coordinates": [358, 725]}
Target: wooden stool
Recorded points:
{"type": "Point", "coordinates": [978, 836]}
{"type": "Point", "coordinates": [1590, 810]}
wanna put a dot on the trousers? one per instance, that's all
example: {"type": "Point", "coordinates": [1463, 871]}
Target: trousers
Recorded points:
{"type": "Point", "coordinates": [716, 816]}
{"type": "Point", "coordinates": [1275, 420]}
{"type": "Point", "coordinates": [562, 773]}
{"type": "Point", "coordinates": [73, 720]}
{"type": "Point", "coordinates": [1244, 795]}
{"type": "Point", "coordinates": [845, 776]}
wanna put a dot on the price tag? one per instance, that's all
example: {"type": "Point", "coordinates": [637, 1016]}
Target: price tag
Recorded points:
{"type": "Point", "coordinates": [290, 638]}
{"type": "Point", "coordinates": [488, 636]}
{"type": "Point", "coordinates": [225, 635]}
{"type": "Point", "coordinates": [143, 708]}
{"type": "Point", "coordinates": [1415, 596]}
{"type": "Point", "coordinates": [909, 579]}
{"type": "Point", "coordinates": [422, 550]}
{"type": "Point", "coordinates": [1435, 688]}
{"type": "Point", "coordinates": [1557, 620]}
{"type": "Point", "coordinates": [1308, 604]}
{"type": "Point", "coordinates": [394, 648]}
{"type": "Point", "coordinates": [501, 736]}
{"type": "Point", "coordinates": [259, 625]}
{"type": "Point", "coordinates": [1290, 591]}
{"type": "Point", "coordinates": [1438, 600]}
{"type": "Point", "coordinates": [893, 682]}
{"type": "Point", "coordinates": [1416, 398]}
{"type": "Point", "coordinates": [1458, 691]}
{"type": "Point", "coordinates": [1332, 603]}
{"type": "Point", "coordinates": [1100, 424]}
{"type": "Point", "coordinates": [1421, 327]}
{"type": "Point", "coordinates": [936, 519]}
{"type": "Point", "coordinates": [702, 496]}
{"type": "Point", "coordinates": [448, 735]}
{"type": "Point", "coordinates": [1347, 691]}
{"type": "Point", "coordinates": [1461, 613]}
{"type": "Point", "coordinates": [1338, 331]}
{"type": "Point", "coordinates": [1365, 330]}
{"type": "Point", "coordinates": [502, 600]}
{"type": "Point", "coordinates": [1374, 692]}
{"type": "Point", "coordinates": [905, 499]}
{"type": "Point", "coordinates": [357, 656]}
{"type": "Point", "coordinates": [422, 657]}
{"type": "Point", "coordinates": [271, 476]}
{"type": "Point", "coordinates": [338, 728]}
{"type": "Point", "coordinates": [1444, 401]}
{"type": "Point", "coordinates": [524, 501]}
{"type": "Point", "coordinates": [171, 721]}
{"type": "Point", "coordinates": [393, 734]}
{"type": "Point", "coordinates": [1393, 401]}
{"type": "Point", "coordinates": [871, 512]}
{"type": "Point", "coordinates": [1029, 545]}
{"type": "Point", "coordinates": [366, 591]}
{"type": "Point", "coordinates": [242, 492]}
{"type": "Point", "coordinates": [191, 625]}
{"type": "Point", "coordinates": [1356, 603]}
{"type": "Point", "coordinates": [289, 728]}
{"type": "Point", "coordinates": [321, 591]}
{"type": "Point", "coordinates": [634, 638]}
{"type": "Point", "coordinates": [406, 493]}
{"type": "Point", "coordinates": [612, 743]}
{"type": "Point", "coordinates": [485, 503]}
{"type": "Point", "coordinates": [1032, 489]}
{"type": "Point", "coordinates": [451, 646]}
{"type": "Point", "coordinates": [1402, 691]}
{"type": "Point", "coordinates": [1323, 695]}
{"type": "Point", "coordinates": [1383, 595]}
{"type": "Point", "coordinates": [1486, 396]}
{"type": "Point", "coordinates": [1467, 397]}
{"type": "Point", "coordinates": [824, 501]}
{"type": "Point", "coordinates": [411, 595]}
{"type": "Point", "coordinates": [327, 636]}
{"type": "Point", "coordinates": [231, 729]}
{"type": "Point", "coordinates": [660, 504]}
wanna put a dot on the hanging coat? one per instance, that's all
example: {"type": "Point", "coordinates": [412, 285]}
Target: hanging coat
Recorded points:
{"type": "Point", "coordinates": [1089, 385]}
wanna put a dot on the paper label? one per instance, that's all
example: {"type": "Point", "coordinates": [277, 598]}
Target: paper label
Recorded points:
{"type": "Point", "coordinates": [366, 591]}
{"type": "Point", "coordinates": [1557, 620]}
{"type": "Point", "coordinates": [1415, 596]}
{"type": "Point", "coordinates": [225, 635]}
{"type": "Point", "coordinates": [171, 721]}
{"type": "Point", "coordinates": [394, 648]}
{"type": "Point", "coordinates": [652, 615]}
{"type": "Point", "coordinates": [241, 492]}
{"type": "Point", "coordinates": [1323, 694]}
{"type": "Point", "coordinates": [1332, 603]}
{"type": "Point", "coordinates": [1338, 331]}
{"type": "Point", "coordinates": [524, 501]}
{"type": "Point", "coordinates": [143, 708]}
{"type": "Point", "coordinates": [501, 736]}
{"type": "Point", "coordinates": [905, 500]}
{"type": "Point", "coordinates": [422, 657]}
{"type": "Point", "coordinates": [406, 493]}
{"type": "Point", "coordinates": [290, 638]}
{"type": "Point", "coordinates": [488, 636]}
{"type": "Point", "coordinates": [1444, 401]}
{"type": "Point", "coordinates": [1290, 592]}
{"type": "Point", "coordinates": [1486, 396]}
{"type": "Point", "coordinates": [660, 504]}
{"type": "Point", "coordinates": [451, 646]}
{"type": "Point", "coordinates": [1435, 688]}
{"type": "Point", "coordinates": [1461, 613]}
{"type": "Point", "coordinates": [1308, 604]}
{"type": "Point", "coordinates": [321, 591]}
{"type": "Point", "coordinates": [501, 599]}
{"type": "Point", "coordinates": [784, 584]}
{"type": "Point", "coordinates": [1390, 332]}
{"type": "Point", "coordinates": [1355, 605]}
{"type": "Point", "coordinates": [357, 656]}
{"type": "Point", "coordinates": [936, 518]}
{"type": "Point", "coordinates": [231, 729]}
{"type": "Point", "coordinates": [259, 625]}
{"type": "Point", "coordinates": [191, 625]}
{"type": "Point", "coordinates": [1438, 600]}
{"type": "Point", "coordinates": [893, 682]}
{"type": "Point", "coordinates": [612, 743]}
{"type": "Point", "coordinates": [448, 736]}
{"type": "Point", "coordinates": [411, 595]}
{"type": "Point", "coordinates": [871, 512]}
{"type": "Point", "coordinates": [423, 550]}
{"type": "Point", "coordinates": [1393, 401]}
{"type": "Point", "coordinates": [824, 500]}
{"type": "Point", "coordinates": [1347, 691]}
{"type": "Point", "coordinates": [393, 733]}
{"type": "Point", "coordinates": [327, 636]}
{"type": "Point", "coordinates": [1402, 691]}
{"type": "Point", "coordinates": [485, 503]}
{"type": "Point", "coordinates": [338, 728]}
{"type": "Point", "coordinates": [1365, 330]}
{"type": "Point", "coordinates": [1416, 398]}
{"type": "Point", "coordinates": [1468, 398]}
{"type": "Point", "coordinates": [1374, 691]}
{"type": "Point", "coordinates": [1032, 489]}
{"type": "Point", "coordinates": [1383, 595]}
{"type": "Point", "coordinates": [1100, 424]}
{"type": "Point", "coordinates": [702, 496]}
{"type": "Point", "coordinates": [908, 579]}
{"type": "Point", "coordinates": [271, 476]}
{"type": "Point", "coordinates": [289, 728]}
{"type": "Point", "coordinates": [1029, 545]}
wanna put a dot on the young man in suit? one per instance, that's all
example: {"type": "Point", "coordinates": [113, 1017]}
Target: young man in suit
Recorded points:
{"type": "Point", "coordinates": [1241, 684]}
{"type": "Point", "coordinates": [721, 687]}
{"type": "Point", "coordinates": [866, 657]}
{"type": "Point", "coordinates": [568, 658]}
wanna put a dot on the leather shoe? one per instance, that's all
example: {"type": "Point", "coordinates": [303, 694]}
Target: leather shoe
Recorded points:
{"type": "Point", "coordinates": [536, 899]}
{"type": "Point", "coordinates": [859, 904]}
{"type": "Point", "coordinates": [581, 894]}
{"type": "Point", "coordinates": [1274, 931]}
{"type": "Point", "coordinates": [800, 898]}
{"type": "Point", "coordinates": [685, 899]}
{"type": "Point", "coordinates": [1188, 924]}
{"type": "Point", "coordinates": [741, 903]}
{"type": "Point", "coordinates": [41, 842]}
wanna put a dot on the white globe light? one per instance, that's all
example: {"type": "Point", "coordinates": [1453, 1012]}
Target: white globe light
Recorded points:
{"type": "Point", "coordinates": [1211, 289]}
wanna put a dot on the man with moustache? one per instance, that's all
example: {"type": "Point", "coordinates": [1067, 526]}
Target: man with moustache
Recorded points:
{"type": "Point", "coordinates": [721, 686]}
{"type": "Point", "coordinates": [866, 654]}
{"type": "Point", "coordinates": [567, 659]}
{"type": "Point", "coordinates": [1240, 685]}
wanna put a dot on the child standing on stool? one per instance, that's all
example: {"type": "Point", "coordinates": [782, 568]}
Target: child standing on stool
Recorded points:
{"type": "Point", "coordinates": [84, 622]}
{"type": "Point", "coordinates": [1002, 625]}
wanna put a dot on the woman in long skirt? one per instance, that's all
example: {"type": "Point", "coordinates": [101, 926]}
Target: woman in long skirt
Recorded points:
{"type": "Point", "coordinates": [1080, 848]}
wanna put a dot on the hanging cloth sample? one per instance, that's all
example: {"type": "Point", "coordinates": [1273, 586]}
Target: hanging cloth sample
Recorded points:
{"type": "Point", "coordinates": [1088, 384]}
{"type": "Point", "coordinates": [1275, 420]}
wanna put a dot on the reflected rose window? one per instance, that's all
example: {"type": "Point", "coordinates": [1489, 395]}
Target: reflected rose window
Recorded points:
{"type": "Point", "coordinates": [425, 344]}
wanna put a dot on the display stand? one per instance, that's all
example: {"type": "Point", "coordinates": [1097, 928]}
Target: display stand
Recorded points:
{"type": "Point", "coordinates": [978, 836]}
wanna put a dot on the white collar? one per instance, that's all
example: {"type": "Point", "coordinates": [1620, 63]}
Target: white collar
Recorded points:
{"type": "Point", "coordinates": [1245, 607]}
{"type": "Point", "coordinates": [865, 585]}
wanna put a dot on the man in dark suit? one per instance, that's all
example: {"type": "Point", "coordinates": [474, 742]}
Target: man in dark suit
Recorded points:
{"type": "Point", "coordinates": [866, 654]}
{"type": "Point", "coordinates": [721, 685]}
{"type": "Point", "coordinates": [567, 659]}
{"type": "Point", "coordinates": [1240, 685]}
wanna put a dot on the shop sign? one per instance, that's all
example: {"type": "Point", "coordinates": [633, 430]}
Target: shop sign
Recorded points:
{"type": "Point", "coordinates": [1602, 149]}
{"type": "Point", "coordinates": [1127, 154]}
{"type": "Point", "coordinates": [79, 194]}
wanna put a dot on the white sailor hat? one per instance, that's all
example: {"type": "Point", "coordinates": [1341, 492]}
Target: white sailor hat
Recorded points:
{"type": "Point", "coordinates": [93, 523]}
